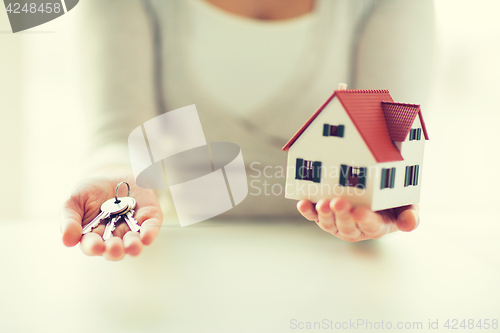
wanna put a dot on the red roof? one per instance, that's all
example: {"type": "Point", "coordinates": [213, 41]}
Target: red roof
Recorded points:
{"type": "Point", "coordinates": [399, 118]}
{"type": "Point", "coordinates": [364, 107]}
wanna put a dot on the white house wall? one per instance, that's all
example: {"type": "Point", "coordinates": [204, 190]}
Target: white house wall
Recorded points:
{"type": "Point", "coordinates": [413, 154]}
{"type": "Point", "coordinates": [332, 152]}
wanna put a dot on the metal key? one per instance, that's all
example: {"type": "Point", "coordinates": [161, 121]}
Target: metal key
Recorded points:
{"type": "Point", "coordinates": [131, 221]}
{"type": "Point", "coordinates": [110, 227]}
{"type": "Point", "coordinates": [108, 208]}
{"type": "Point", "coordinates": [114, 218]}
{"type": "Point", "coordinates": [128, 216]}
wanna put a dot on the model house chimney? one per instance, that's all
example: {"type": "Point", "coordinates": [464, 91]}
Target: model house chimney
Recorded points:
{"type": "Point", "coordinates": [342, 86]}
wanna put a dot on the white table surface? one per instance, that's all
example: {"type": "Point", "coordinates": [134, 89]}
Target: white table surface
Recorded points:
{"type": "Point", "coordinates": [252, 276]}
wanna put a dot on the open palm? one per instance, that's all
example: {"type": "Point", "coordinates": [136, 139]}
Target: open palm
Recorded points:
{"type": "Point", "coordinates": [85, 204]}
{"type": "Point", "coordinates": [338, 217]}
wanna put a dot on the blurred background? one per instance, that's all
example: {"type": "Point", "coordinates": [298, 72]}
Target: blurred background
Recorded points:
{"type": "Point", "coordinates": [448, 268]}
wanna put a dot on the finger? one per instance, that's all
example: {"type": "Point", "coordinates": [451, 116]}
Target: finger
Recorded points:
{"type": "Point", "coordinates": [132, 243]}
{"type": "Point", "coordinates": [149, 230]}
{"type": "Point", "coordinates": [150, 218]}
{"type": "Point", "coordinates": [325, 216]}
{"type": "Point", "coordinates": [71, 226]}
{"type": "Point", "coordinates": [114, 249]}
{"type": "Point", "coordinates": [369, 223]}
{"type": "Point", "coordinates": [306, 208]}
{"type": "Point", "coordinates": [345, 225]}
{"type": "Point", "coordinates": [92, 244]}
{"type": "Point", "coordinates": [408, 220]}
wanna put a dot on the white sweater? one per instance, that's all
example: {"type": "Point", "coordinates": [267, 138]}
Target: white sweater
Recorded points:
{"type": "Point", "coordinates": [254, 82]}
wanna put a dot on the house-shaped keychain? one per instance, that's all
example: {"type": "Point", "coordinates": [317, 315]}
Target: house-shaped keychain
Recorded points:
{"type": "Point", "coordinates": [361, 145]}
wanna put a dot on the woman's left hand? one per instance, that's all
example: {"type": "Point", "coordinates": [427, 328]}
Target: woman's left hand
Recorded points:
{"type": "Point", "coordinates": [353, 224]}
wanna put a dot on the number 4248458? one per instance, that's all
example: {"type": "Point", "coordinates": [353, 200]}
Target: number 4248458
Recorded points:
{"type": "Point", "coordinates": [32, 8]}
{"type": "Point", "coordinates": [471, 324]}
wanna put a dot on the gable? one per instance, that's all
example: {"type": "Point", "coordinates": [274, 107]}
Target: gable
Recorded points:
{"type": "Point", "coordinates": [313, 144]}
{"type": "Point", "coordinates": [365, 109]}
{"type": "Point", "coordinates": [306, 124]}
{"type": "Point", "coordinates": [400, 117]}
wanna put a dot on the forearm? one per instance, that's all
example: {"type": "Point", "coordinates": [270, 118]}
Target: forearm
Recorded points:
{"type": "Point", "coordinates": [117, 78]}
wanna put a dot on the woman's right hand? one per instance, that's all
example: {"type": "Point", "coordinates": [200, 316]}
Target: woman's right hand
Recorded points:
{"type": "Point", "coordinates": [85, 204]}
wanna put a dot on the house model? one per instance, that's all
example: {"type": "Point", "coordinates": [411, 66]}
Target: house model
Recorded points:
{"type": "Point", "coordinates": [361, 145]}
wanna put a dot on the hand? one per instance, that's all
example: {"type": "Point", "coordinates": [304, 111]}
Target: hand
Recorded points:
{"type": "Point", "coordinates": [338, 217]}
{"type": "Point", "coordinates": [85, 204]}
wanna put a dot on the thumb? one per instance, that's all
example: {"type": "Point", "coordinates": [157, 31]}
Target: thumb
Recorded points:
{"type": "Point", "coordinates": [71, 225]}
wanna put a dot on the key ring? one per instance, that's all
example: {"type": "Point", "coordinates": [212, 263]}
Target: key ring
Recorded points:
{"type": "Point", "coordinates": [118, 187]}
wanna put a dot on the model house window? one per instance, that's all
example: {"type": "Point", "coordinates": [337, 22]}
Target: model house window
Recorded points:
{"type": "Point", "coordinates": [308, 170]}
{"type": "Point", "coordinates": [415, 134]}
{"type": "Point", "coordinates": [333, 130]}
{"type": "Point", "coordinates": [352, 176]}
{"type": "Point", "coordinates": [411, 176]}
{"type": "Point", "coordinates": [388, 176]}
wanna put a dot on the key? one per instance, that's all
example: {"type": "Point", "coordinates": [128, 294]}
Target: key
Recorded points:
{"type": "Point", "coordinates": [110, 227]}
{"type": "Point", "coordinates": [128, 216]}
{"type": "Point", "coordinates": [108, 208]}
{"type": "Point", "coordinates": [131, 221]}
